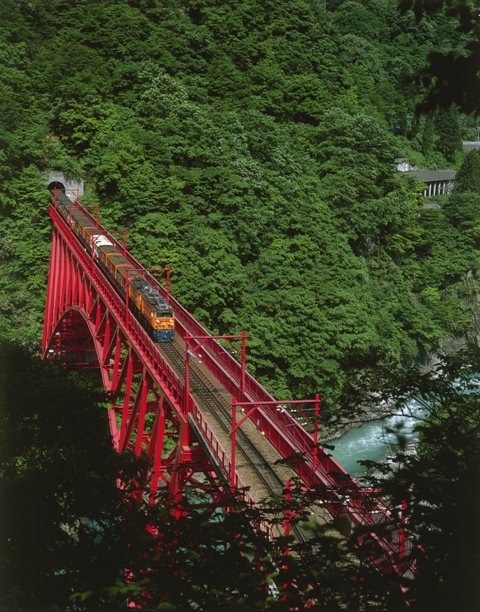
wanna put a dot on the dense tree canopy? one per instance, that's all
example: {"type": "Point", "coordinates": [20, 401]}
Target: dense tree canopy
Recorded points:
{"type": "Point", "coordinates": [250, 146]}
{"type": "Point", "coordinates": [468, 175]}
{"type": "Point", "coordinates": [452, 76]}
{"type": "Point", "coordinates": [449, 134]}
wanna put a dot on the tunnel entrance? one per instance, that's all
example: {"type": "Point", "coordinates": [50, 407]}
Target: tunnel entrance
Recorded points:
{"type": "Point", "coordinates": [56, 185]}
{"type": "Point", "coordinates": [73, 188]}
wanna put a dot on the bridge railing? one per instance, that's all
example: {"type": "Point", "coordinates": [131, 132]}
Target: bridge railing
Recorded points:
{"type": "Point", "coordinates": [228, 371]}
{"type": "Point", "coordinates": [280, 428]}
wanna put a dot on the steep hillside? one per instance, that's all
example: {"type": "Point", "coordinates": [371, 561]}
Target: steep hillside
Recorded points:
{"type": "Point", "coordinates": [250, 146]}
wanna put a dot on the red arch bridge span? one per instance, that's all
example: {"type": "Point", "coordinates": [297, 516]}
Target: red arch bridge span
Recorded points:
{"type": "Point", "coordinates": [188, 414]}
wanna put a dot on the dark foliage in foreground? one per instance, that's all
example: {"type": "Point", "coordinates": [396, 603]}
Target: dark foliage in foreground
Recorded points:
{"type": "Point", "coordinates": [439, 482]}
{"type": "Point", "coordinates": [71, 538]}
{"type": "Point", "coordinates": [67, 528]}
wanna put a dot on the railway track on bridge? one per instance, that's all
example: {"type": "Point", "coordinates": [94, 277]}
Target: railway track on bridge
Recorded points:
{"type": "Point", "coordinates": [258, 461]}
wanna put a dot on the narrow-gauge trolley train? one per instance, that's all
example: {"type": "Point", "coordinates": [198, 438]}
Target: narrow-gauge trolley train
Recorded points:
{"type": "Point", "coordinates": [149, 307]}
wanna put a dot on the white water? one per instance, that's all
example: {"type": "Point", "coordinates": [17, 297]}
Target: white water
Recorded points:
{"type": "Point", "coordinates": [372, 440]}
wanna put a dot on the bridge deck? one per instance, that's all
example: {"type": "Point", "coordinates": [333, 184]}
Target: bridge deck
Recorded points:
{"type": "Point", "coordinates": [256, 457]}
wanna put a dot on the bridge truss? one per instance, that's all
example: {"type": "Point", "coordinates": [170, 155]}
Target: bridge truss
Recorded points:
{"type": "Point", "coordinates": [86, 321]}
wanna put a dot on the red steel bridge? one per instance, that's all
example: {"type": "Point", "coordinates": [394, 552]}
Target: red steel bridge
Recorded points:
{"type": "Point", "coordinates": [193, 396]}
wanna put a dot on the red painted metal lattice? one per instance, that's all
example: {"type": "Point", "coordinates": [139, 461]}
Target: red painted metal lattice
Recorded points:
{"type": "Point", "coordinates": [86, 320]}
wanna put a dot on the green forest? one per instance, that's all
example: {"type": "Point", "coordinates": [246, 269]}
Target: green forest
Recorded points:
{"type": "Point", "coordinates": [250, 146]}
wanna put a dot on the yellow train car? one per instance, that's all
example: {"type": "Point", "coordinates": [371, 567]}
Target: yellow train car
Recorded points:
{"type": "Point", "coordinates": [149, 306]}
